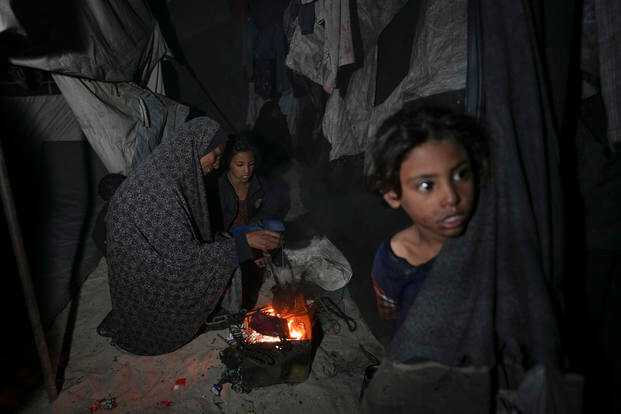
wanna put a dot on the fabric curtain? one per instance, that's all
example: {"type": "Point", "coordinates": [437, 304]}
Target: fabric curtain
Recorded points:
{"type": "Point", "coordinates": [489, 300]}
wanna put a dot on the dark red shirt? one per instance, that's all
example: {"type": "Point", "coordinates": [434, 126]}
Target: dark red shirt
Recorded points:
{"type": "Point", "coordinates": [241, 219]}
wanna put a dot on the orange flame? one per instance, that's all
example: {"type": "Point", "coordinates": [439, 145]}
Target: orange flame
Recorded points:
{"type": "Point", "coordinates": [297, 325]}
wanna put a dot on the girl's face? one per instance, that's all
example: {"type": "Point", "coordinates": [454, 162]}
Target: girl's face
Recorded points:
{"type": "Point", "coordinates": [437, 189]}
{"type": "Point", "coordinates": [242, 166]}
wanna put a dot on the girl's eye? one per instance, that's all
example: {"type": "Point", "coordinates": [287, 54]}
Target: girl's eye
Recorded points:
{"type": "Point", "coordinates": [425, 186]}
{"type": "Point", "coordinates": [462, 174]}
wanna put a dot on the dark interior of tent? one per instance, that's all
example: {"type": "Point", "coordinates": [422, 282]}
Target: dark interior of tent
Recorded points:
{"type": "Point", "coordinates": [543, 74]}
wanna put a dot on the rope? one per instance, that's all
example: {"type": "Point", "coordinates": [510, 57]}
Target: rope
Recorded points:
{"type": "Point", "coordinates": [329, 305]}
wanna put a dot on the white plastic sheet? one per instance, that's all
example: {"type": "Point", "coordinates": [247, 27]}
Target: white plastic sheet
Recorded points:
{"type": "Point", "coordinates": [107, 116]}
{"type": "Point", "coordinates": [320, 263]}
{"type": "Point", "coordinates": [119, 41]}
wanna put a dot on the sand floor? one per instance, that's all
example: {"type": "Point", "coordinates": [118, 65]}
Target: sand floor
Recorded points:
{"type": "Point", "coordinates": [96, 370]}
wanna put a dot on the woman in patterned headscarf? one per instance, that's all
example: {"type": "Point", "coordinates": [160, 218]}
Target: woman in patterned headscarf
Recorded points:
{"type": "Point", "coordinates": [167, 271]}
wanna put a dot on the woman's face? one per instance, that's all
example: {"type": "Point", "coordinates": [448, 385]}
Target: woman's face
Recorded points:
{"type": "Point", "coordinates": [242, 167]}
{"type": "Point", "coordinates": [211, 161]}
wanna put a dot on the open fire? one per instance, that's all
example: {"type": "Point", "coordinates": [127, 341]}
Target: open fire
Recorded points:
{"type": "Point", "coordinates": [271, 345]}
{"type": "Point", "coordinates": [258, 326]}
{"type": "Point", "coordinates": [291, 322]}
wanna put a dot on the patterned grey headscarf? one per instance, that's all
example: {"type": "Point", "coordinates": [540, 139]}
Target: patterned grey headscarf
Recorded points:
{"type": "Point", "coordinates": [180, 157]}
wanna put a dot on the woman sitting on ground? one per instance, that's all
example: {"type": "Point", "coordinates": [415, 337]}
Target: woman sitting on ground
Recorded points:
{"type": "Point", "coordinates": [167, 271]}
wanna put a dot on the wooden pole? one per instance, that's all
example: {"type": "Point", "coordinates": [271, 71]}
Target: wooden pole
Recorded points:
{"type": "Point", "coordinates": [24, 275]}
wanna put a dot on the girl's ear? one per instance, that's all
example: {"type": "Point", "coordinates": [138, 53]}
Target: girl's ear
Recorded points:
{"type": "Point", "coordinates": [392, 199]}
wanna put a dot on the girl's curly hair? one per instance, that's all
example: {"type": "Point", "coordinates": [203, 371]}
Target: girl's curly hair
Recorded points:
{"type": "Point", "coordinates": [244, 142]}
{"type": "Point", "coordinates": [411, 127]}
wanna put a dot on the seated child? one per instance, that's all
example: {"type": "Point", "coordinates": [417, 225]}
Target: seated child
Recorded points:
{"type": "Point", "coordinates": [246, 198]}
{"type": "Point", "coordinates": [249, 202]}
{"type": "Point", "coordinates": [429, 163]}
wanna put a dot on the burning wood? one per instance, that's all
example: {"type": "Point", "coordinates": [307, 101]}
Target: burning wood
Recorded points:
{"type": "Point", "coordinates": [267, 323]}
{"type": "Point", "coordinates": [268, 326]}
{"type": "Point", "coordinates": [270, 347]}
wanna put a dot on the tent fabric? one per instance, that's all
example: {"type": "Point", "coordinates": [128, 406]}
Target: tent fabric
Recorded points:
{"type": "Point", "coordinates": [54, 174]}
{"type": "Point", "coordinates": [608, 16]}
{"type": "Point", "coordinates": [57, 174]}
{"type": "Point", "coordinates": [43, 118]}
{"type": "Point", "coordinates": [120, 120]}
{"type": "Point", "coordinates": [8, 21]}
{"type": "Point", "coordinates": [589, 56]}
{"type": "Point", "coordinates": [599, 178]}
{"type": "Point", "coordinates": [116, 41]}
{"type": "Point", "coordinates": [394, 49]}
{"type": "Point", "coordinates": [65, 253]}
{"type": "Point", "coordinates": [437, 65]}
{"type": "Point", "coordinates": [600, 59]}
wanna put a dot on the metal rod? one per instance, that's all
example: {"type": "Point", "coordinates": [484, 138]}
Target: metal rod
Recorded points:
{"type": "Point", "coordinates": [24, 275]}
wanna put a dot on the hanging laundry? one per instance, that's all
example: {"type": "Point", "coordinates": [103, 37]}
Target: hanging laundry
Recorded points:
{"type": "Point", "coordinates": [438, 65]}
{"type": "Point", "coordinates": [270, 48]}
{"type": "Point", "coordinates": [270, 73]}
{"type": "Point", "coordinates": [319, 55]}
{"type": "Point", "coordinates": [306, 18]}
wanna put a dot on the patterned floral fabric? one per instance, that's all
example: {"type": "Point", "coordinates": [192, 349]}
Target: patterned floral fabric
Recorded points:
{"type": "Point", "coordinates": [166, 271]}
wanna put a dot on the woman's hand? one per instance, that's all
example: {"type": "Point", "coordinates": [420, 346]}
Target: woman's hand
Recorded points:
{"type": "Point", "coordinates": [263, 239]}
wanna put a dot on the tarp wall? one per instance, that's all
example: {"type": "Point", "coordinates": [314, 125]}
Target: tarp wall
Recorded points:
{"type": "Point", "coordinates": [54, 175]}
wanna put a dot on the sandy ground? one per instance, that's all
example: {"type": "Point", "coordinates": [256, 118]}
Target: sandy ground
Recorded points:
{"type": "Point", "coordinates": [96, 370]}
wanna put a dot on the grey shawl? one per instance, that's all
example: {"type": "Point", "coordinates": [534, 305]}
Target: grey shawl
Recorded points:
{"type": "Point", "coordinates": [485, 314]}
{"type": "Point", "coordinates": [166, 271]}
{"type": "Point", "coordinates": [489, 293]}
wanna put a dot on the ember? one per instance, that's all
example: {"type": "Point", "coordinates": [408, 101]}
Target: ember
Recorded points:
{"type": "Point", "coordinates": [266, 325]}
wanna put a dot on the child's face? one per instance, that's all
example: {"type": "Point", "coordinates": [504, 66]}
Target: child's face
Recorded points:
{"type": "Point", "coordinates": [437, 189]}
{"type": "Point", "coordinates": [242, 166]}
